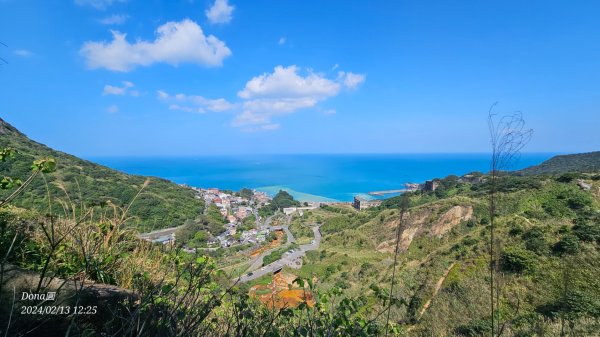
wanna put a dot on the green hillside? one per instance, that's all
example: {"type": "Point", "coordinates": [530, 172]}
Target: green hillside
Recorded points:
{"type": "Point", "coordinates": [546, 228]}
{"type": "Point", "coordinates": [162, 203]}
{"type": "Point", "coordinates": [580, 162]}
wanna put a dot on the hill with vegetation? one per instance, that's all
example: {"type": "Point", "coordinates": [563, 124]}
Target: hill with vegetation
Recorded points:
{"type": "Point", "coordinates": [548, 231]}
{"type": "Point", "coordinates": [569, 163]}
{"type": "Point", "coordinates": [161, 204]}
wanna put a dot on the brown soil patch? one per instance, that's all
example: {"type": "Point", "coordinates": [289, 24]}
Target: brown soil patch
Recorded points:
{"type": "Point", "coordinates": [417, 223]}
{"type": "Point", "coordinates": [279, 295]}
{"type": "Point", "coordinates": [273, 244]}
{"type": "Point", "coordinates": [450, 219]}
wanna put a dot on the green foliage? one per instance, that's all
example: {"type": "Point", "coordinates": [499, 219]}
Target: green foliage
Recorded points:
{"type": "Point", "coordinates": [274, 255]}
{"type": "Point", "coordinates": [581, 162]}
{"type": "Point", "coordinates": [246, 193]}
{"type": "Point", "coordinates": [567, 177]}
{"type": "Point", "coordinates": [517, 260]}
{"type": "Point", "coordinates": [161, 204]}
{"type": "Point", "coordinates": [343, 222]}
{"type": "Point", "coordinates": [535, 241]}
{"type": "Point", "coordinates": [281, 200]}
{"type": "Point", "coordinates": [565, 200]}
{"type": "Point", "coordinates": [195, 233]}
{"type": "Point", "coordinates": [214, 213]}
{"type": "Point", "coordinates": [568, 244]}
{"type": "Point", "coordinates": [574, 304]}
{"type": "Point", "coordinates": [587, 231]}
{"type": "Point", "coordinates": [475, 328]}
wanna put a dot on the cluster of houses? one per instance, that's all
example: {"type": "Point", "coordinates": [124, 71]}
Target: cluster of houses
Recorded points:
{"type": "Point", "coordinates": [235, 209]}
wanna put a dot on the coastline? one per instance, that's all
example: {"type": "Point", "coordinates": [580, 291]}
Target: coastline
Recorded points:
{"type": "Point", "coordinates": [317, 178]}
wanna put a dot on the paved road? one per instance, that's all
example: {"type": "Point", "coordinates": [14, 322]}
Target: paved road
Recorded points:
{"type": "Point", "coordinates": [257, 263]}
{"type": "Point", "coordinates": [158, 233]}
{"type": "Point", "coordinates": [287, 259]}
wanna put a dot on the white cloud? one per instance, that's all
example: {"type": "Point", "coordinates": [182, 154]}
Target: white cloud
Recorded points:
{"type": "Point", "coordinates": [285, 91]}
{"type": "Point", "coordinates": [115, 19]}
{"type": "Point", "coordinates": [220, 12]}
{"type": "Point", "coordinates": [195, 103]}
{"type": "Point", "coordinates": [282, 40]}
{"type": "Point", "coordinates": [175, 43]}
{"type": "Point", "coordinates": [351, 80]}
{"type": "Point", "coordinates": [113, 109]}
{"type": "Point", "coordinates": [98, 4]}
{"type": "Point", "coordinates": [286, 82]}
{"type": "Point", "coordinates": [23, 53]}
{"type": "Point", "coordinates": [120, 91]}
{"type": "Point", "coordinates": [269, 96]}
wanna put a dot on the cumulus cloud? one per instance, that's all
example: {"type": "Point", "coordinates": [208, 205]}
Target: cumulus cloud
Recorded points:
{"type": "Point", "coordinates": [175, 43]}
{"type": "Point", "coordinates": [124, 89]}
{"type": "Point", "coordinates": [286, 82]}
{"type": "Point", "coordinates": [220, 12]}
{"type": "Point", "coordinates": [23, 53]}
{"type": "Point", "coordinates": [285, 91]}
{"type": "Point", "coordinates": [282, 40]}
{"type": "Point", "coordinates": [115, 19]}
{"type": "Point", "coordinates": [98, 4]}
{"type": "Point", "coordinates": [195, 103]}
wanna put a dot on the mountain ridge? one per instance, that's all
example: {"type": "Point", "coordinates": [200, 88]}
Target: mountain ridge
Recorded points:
{"type": "Point", "coordinates": [567, 163]}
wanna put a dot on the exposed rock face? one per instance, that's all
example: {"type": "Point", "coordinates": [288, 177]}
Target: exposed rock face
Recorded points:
{"type": "Point", "coordinates": [450, 219]}
{"type": "Point", "coordinates": [583, 185]}
{"type": "Point", "coordinates": [419, 222]}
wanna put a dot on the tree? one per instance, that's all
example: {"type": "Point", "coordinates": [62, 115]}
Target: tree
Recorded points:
{"type": "Point", "coordinates": [246, 193]}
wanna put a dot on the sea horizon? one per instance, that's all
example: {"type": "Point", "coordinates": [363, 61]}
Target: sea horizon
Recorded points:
{"type": "Point", "coordinates": [311, 177]}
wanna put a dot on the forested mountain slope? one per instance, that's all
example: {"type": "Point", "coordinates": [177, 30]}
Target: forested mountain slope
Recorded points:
{"type": "Point", "coordinates": [580, 162]}
{"type": "Point", "coordinates": [161, 204]}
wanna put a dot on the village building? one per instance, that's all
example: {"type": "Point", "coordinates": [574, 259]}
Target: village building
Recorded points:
{"type": "Point", "coordinates": [361, 203]}
{"type": "Point", "coordinates": [431, 185]}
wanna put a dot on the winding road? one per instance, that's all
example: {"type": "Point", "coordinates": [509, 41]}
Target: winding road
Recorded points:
{"type": "Point", "coordinates": [286, 259]}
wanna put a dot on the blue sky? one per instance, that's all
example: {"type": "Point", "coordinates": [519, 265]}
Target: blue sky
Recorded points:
{"type": "Point", "coordinates": [183, 77]}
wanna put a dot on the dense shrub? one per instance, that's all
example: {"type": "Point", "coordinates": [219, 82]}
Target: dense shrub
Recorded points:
{"type": "Point", "coordinates": [535, 241]}
{"type": "Point", "coordinates": [517, 260]}
{"type": "Point", "coordinates": [475, 328]}
{"type": "Point", "coordinates": [568, 244]}
{"type": "Point", "coordinates": [586, 231]}
{"type": "Point", "coordinates": [567, 177]}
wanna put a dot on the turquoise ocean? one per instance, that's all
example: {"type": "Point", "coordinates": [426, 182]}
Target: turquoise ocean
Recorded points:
{"type": "Point", "coordinates": [311, 177]}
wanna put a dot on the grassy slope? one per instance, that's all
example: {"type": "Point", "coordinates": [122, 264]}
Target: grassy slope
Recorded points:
{"type": "Point", "coordinates": [162, 204]}
{"type": "Point", "coordinates": [349, 256]}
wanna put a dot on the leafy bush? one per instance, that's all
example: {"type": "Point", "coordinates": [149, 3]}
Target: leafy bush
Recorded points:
{"type": "Point", "coordinates": [517, 260]}
{"type": "Point", "coordinates": [586, 231]}
{"type": "Point", "coordinates": [281, 200]}
{"type": "Point", "coordinates": [568, 244]}
{"type": "Point", "coordinates": [568, 177]}
{"type": "Point", "coordinates": [475, 328]}
{"type": "Point", "coordinates": [535, 241]}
